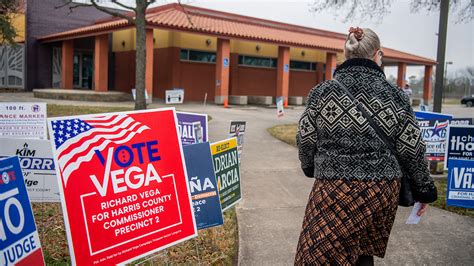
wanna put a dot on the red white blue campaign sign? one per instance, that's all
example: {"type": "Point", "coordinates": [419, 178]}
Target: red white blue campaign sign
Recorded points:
{"type": "Point", "coordinates": [434, 134]}
{"type": "Point", "coordinates": [192, 127]}
{"type": "Point", "coordinates": [432, 115]}
{"type": "Point", "coordinates": [202, 180]}
{"type": "Point", "coordinates": [123, 183]}
{"type": "Point", "coordinates": [19, 240]}
{"type": "Point", "coordinates": [460, 190]}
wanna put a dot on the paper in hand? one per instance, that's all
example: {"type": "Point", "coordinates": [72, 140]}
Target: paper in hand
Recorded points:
{"type": "Point", "coordinates": [414, 218]}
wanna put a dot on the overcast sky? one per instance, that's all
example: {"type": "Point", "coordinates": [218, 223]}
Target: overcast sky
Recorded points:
{"type": "Point", "coordinates": [409, 32]}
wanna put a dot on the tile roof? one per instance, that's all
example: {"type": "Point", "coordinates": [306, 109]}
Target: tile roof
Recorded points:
{"type": "Point", "coordinates": [211, 22]}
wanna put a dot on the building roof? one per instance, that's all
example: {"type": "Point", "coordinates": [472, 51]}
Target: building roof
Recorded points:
{"type": "Point", "coordinates": [233, 26]}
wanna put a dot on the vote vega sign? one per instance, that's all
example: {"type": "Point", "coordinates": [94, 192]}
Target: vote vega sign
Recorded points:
{"type": "Point", "coordinates": [460, 188]}
{"type": "Point", "coordinates": [202, 180]}
{"type": "Point", "coordinates": [192, 128]}
{"type": "Point", "coordinates": [226, 166]}
{"type": "Point", "coordinates": [124, 186]}
{"type": "Point", "coordinates": [19, 240]}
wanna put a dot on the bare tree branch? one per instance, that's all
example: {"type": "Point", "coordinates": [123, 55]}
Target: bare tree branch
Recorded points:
{"type": "Point", "coordinates": [123, 5]}
{"type": "Point", "coordinates": [188, 16]}
{"type": "Point", "coordinates": [71, 5]}
{"type": "Point", "coordinates": [350, 10]}
{"type": "Point", "coordinates": [113, 13]}
{"type": "Point", "coordinates": [149, 2]}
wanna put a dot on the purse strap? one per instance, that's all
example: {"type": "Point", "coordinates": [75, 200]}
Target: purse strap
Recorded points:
{"type": "Point", "coordinates": [372, 123]}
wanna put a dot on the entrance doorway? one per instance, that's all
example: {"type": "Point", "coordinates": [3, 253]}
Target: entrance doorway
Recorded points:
{"type": "Point", "coordinates": [83, 70]}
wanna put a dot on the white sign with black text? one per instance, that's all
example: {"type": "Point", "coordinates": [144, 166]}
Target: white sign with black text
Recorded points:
{"type": "Point", "coordinates": [23, 120]}
{"type": "Point", "coordinates": [174, 96]}
{"type": "Point", "coordinates": [37, 165]}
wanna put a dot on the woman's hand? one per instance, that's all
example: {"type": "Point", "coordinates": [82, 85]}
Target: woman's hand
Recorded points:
{"type": "Point", "coordinates": [422, 209]}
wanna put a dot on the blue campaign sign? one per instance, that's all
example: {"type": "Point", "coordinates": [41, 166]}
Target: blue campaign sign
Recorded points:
{"type": "Point", "coordinates": [432, 115]}
{"type": "Point", "coordinates": [460, 189]}
{"type": "Point", "coordinates": [18, 236]}
{"type": "Point", "coordinates": [460, 144]}
{"type": "Point", "coordinates": [203, 185]}
{"type": "Point", "coordinates": [192, 128]}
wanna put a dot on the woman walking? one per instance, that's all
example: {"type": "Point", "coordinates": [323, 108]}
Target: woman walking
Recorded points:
{"type": "Point", "coordinates": [352, 205]}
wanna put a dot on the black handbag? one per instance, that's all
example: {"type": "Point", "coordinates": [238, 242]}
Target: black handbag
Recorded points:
{"type": "Point", "coordinates": [405, 197]}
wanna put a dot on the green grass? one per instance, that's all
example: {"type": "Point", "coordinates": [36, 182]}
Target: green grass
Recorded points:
{"type": "Point", "coordinates": [67, 110]}
{"type": "Point", "coordinates": [287, 134]}
{"type": "Point", "coordinates": [214, 246]}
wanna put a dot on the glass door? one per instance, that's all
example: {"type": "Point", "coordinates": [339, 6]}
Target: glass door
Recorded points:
{"type": "Point", "coordinates": [83, 70]}
{"type": "Point", "coordinates": [87, 70]}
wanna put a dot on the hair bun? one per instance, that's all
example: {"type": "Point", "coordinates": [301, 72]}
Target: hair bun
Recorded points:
{"type": "Point", "coordinates": [357, 32]}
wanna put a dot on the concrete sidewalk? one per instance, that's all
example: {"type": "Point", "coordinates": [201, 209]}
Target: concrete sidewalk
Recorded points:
{"type": "Point", "coordinates": [275, 193]}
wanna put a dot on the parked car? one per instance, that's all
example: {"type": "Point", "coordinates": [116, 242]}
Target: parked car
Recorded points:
{"type": "Point", "coordinates": [468, 100]}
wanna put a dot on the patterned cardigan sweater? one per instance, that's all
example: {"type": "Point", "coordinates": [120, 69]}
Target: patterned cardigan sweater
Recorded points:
{"type": "Point", "coordinates": [335, 141]}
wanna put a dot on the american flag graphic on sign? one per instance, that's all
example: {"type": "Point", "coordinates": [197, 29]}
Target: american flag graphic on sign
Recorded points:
{"type": "Point", "coordinates": [74, 138]}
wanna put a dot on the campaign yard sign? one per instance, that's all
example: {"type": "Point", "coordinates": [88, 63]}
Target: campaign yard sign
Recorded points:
{"type": "Point", "coordinates": [280, 109]}
{"type": "Point", "coordinates": [237, 130]}
{"type": "Point", "coordinates": [460, 188]}
{"type": "Point", "coordinates": [432, 115]}
{"type": "Point", "coordinates": [124, 189]}
{"type": "Point", "coordinates": [192, 128]}
{"type": "Point", "coordinates": [174, 96]}
{"type": "Point", "coordinates": [434, 134]}
{"type": "Point", "coordinates": [460, 144]}
{"type": "Point", "coordinates": [460, 122]}
{"type": "Point", "coordinates": [203, 184]}
{"type": "Point", "coordinates": [23, 120]}
{"type": "Point", "coordinates": [37, 165]}
{"type": "Point", "coordinates": [226, 166]}
{"type": "Point", "coordinates": [19, 240]}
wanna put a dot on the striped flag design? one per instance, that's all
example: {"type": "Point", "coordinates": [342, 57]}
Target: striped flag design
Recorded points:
{"type": "Point", "coordinates": [76, 139]}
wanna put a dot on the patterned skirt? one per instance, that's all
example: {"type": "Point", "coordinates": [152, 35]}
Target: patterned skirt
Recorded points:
{"type": "Point", "coordinates": [345, 219]}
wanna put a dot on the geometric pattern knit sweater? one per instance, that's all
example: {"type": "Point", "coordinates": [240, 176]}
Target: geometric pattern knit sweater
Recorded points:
{"type": "Point", "coordinates": [335, 141]}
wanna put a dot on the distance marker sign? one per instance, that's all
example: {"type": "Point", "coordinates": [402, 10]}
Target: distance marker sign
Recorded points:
{"type": "Point", "coordinates": [19, 240]}
{"type": "Point", "coordinates": [226, 167]}
{"type": "Point", "coordinates": [123, 183]}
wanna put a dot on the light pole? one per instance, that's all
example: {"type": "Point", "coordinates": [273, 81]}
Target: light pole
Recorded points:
{"type": "Point", "coordinates": [442, 34]}
{"type": "Point", "coordinates": [446, 79]}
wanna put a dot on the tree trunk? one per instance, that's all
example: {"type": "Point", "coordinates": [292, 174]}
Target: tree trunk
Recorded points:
{"type": "Point", "coordinates": [140, 57]}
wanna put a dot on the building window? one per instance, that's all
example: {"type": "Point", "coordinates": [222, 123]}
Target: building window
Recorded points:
{"type": "Point", "coordinates": [11, 66]}
{"type": "Point", "coordinates": [300, 65]}
{"type": "Point", "coordinates": [57, 57]}
{"type": "Point", "coordinates": [197, 56]}
{"type": "Point", "coordinates": [257, 61]}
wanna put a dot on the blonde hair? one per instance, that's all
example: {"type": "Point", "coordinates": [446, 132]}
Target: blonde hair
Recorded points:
{"type": "Point", "coordinates": [363, 48]}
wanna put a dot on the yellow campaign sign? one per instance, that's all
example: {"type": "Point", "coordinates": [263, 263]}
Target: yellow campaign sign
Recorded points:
{"type": "Point", "coordinates": [223, 145]}
{"type": "Point", "coordinates": [226, 168]}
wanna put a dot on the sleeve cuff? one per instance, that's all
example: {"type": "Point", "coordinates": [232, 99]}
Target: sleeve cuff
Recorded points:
{"type": "Point", "coordinates": [426, 197]}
